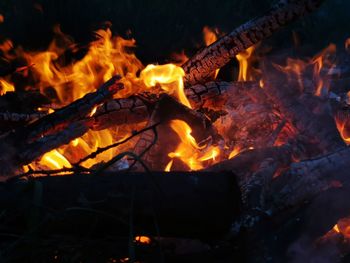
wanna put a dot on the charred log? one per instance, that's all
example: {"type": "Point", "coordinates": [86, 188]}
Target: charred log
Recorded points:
{"type": "Point", "coordinates": [199, 68]}
{"type": "Point", "coordinates": [158, 204]}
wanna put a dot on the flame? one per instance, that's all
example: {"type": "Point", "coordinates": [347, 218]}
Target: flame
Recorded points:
{"type": "Point", "coordinates": [54, 160]}
{"type": "Point", "coordinates": [5, 87]}
{"type": "Point", "coordinates": [244, 59]}
{"type": "Point", "coordinates": [209, 37]}
{"type": "Point", "coordinates": [343, 127]}
{"type": "Point", "coordinates": [236, 150]}
{"type": "Point", "coordinates": [336, 228]}
{"type": "Point", "coordinates": [168, 166]}
{"type": "Point", "coordinates": [295, 68]}
{"type": "Point", "coordinates": [188, 151]}
{"type": "Point", "coordinates": [169, 77]}
{"type": "Point", "coordinates": [2, 18]}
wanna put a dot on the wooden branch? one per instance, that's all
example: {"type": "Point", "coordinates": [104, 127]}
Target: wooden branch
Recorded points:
{"type": "Point", "coordinates": [158, 204]}
{"type": "Point", "coordinates": [199, 68]}
{"type": "Point", "coordinates": [136, 109]}
{"type": "Point", "coordinates": [79, 109]}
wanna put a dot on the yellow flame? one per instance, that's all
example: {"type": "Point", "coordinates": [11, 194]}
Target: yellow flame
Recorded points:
{"type": "Point", "coordinates": [5, 87]}
{"type": "Point", "coordinates": [54, 160]}
{"type": "Point", "coordinates": [168, 166]}
{"type": "Point", "coordinates": [336, 228]}
{"type": "Point", "coordinates": [169, 77]}
{"type": "Point", "coordinates": [188, 151]}
{"type": "Point", "coordinates": [244, 59]}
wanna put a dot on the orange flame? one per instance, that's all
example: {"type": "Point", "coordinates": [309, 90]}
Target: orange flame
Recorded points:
{"type": "Point", "coordinates": [6, 87]}
{"type": "Point", "coordinates": [244, 59]}
{"type": "Point", "coordinates": [209, 37]}
{"type": "Point", "coordinates": [188, 151]}
{"type": "Point", "coordinates": [343, 127]}
{"type": "Point", "coordinates": [236, 150]}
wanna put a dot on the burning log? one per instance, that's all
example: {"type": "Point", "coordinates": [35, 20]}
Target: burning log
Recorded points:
{"type": "Point", "coordinates": [130, 204]}
{"type": "Point", "coordinates": [168, 109]}
{"type": "Point", "coordinates": [200, 67]}
{"type": "Point", "coordinates": [18, 142]}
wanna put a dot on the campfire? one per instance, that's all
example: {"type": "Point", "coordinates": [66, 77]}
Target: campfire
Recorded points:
{"type": "Point", "coordinates": [172, 160]}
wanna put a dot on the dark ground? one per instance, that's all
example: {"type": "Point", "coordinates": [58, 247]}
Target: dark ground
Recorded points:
{"type": "Point", "coordinates": [160, 26]}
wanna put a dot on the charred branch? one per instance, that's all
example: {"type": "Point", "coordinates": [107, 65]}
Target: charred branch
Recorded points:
{"type": "Point", "coordinates": [199, 68]}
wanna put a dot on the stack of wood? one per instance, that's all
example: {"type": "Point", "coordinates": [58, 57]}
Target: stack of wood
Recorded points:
{"type": "Point", "coordinates": [264, 194]}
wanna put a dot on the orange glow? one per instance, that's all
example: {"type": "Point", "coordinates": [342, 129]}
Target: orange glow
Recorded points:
{"type": "Point", "coordinates": [169, 77]}
{"type": "Point", "coordinates": [188, 151]}
{"type": "Point", "coordinates": [5, 87]}
{"type": "Point", "coordinates": [2, 18]}
{"type": "Point", "coordinates": [209, 37]}
{"type": "Point", "coordinates": [143, 240]}
{"type": "Point", "coordinates": [244, 59]}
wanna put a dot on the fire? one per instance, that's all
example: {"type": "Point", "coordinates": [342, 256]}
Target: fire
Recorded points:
{"type": "Point", "coordinates": [209, 37]}
{"type": "Point", "coordinates": [244, 59]}
{"type": "Point", "coordinates": [343, 128]}
{"type": "Point", "coordinates": [236, 150]}
{"type": "Point", "coordinates": [169, 77]}
{"type": "Point", "coordinates": [188, 151]}
{"type": "Point", "coordinates": [54, 160]}
{"type": "Point", "coordinates": [321, 63]}
{"type": "Point", "coordinates": [107, 56]}
{"type": "Point", "coordinates": [6, 87]}
{"type": "Point", "coordinates": [2, 18]}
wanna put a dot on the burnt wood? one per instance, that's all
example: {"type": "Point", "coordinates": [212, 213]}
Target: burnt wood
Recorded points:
{"type": "Point", "coordinates": [160, 204]}
{"type": "Point", "coordinates": [200, 67]}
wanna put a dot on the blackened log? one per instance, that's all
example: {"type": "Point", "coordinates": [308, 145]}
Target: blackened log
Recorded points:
{"type": "Point", "coordinates": [137, 109]}
{"type": "Point", "coordinates": [158, 204]}
{"type": "Point", "coordinates": [79, 109]}
{"type": "Point", "coordinates": [200, 67]}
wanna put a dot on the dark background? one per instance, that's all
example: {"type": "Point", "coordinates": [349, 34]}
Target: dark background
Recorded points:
{"type": "Point", "coordinates": [161, 26]}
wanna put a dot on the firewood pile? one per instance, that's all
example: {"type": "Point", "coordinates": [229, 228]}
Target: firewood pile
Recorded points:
{"type": "Point", "coordinates": [201, 170]}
